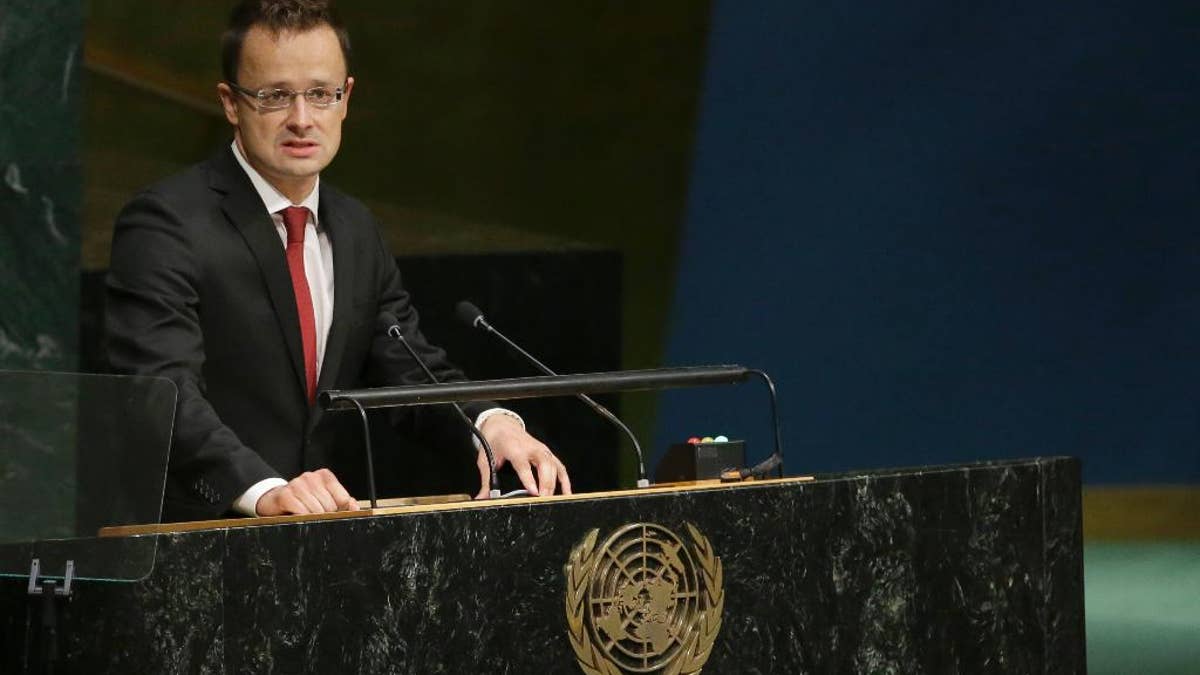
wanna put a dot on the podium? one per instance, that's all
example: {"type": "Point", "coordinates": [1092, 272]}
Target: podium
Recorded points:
{"type": "Point", "coordinates": [950, 569]}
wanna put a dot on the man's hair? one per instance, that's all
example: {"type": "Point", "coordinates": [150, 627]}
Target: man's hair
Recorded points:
{"type": "Point", "coordinates": [277, 16]}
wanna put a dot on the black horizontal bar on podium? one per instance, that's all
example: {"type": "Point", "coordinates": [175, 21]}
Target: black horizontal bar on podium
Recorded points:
{"type": "Point", "coordinates": [534, 387]}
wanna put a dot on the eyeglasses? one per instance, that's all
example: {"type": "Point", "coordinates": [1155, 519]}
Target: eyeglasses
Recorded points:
{"type": "Point", "coordinates": [278, 99]}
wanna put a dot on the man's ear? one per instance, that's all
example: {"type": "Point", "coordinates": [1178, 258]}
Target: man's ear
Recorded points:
{"type": "Point", "coordinates": [228, 102]}
{"type": "Point", "coordinates": [346, 96]}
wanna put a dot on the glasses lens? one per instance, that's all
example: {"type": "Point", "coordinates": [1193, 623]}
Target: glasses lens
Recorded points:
{"type": "Point", "coordinates": [322, 96]}
{"type": "Point", "coordinates": [274, 99]}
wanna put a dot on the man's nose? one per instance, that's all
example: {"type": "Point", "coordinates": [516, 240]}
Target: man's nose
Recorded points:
{"type": "Point", "coordinates": [300, 113]}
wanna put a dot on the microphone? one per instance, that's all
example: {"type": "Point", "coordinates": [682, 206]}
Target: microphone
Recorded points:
{"type": "Point", "coordinates": [388, 321]}
{"type": "Point", "coordinates": [473, 317]}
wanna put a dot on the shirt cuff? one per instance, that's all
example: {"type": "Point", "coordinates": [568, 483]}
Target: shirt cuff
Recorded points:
{"type": "Point", "coordinates": [247, 504]}
{"type": "Point", "coordinates": [485, 415]}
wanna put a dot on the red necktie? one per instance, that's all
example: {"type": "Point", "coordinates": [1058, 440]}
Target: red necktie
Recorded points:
{"type": "Point", "coordinates": [295, 218]}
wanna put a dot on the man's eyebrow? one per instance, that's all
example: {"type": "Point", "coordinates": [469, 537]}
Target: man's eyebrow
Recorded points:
{"type": "Point", "coordinates": [285, 84]}
{"type": "Point", "coordinates": [278, 84]}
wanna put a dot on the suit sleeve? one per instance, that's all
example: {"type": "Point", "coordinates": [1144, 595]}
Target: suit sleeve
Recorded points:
{"type": "Point", "coordinates": [153, 328]}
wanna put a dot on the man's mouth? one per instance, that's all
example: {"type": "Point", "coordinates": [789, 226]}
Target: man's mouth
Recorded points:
{"type": "Point", "coordinates": [300, 148]}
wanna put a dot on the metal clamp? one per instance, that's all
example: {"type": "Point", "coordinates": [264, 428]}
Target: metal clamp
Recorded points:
{"type": "Point", "coordinates": [48, 586]}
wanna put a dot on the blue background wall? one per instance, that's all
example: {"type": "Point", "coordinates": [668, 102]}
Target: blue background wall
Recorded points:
{"type": "Point", "coordinates": [951, 232]}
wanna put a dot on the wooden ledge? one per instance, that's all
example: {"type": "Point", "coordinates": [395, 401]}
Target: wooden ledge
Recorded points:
{"type": "Point", "coordinates": [407, 505]}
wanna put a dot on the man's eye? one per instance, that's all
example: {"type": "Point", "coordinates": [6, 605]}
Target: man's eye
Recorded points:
{"type": "Point", "coordinates": [276, 96]}
{"type": "Point", "coordinates": [319, 95]}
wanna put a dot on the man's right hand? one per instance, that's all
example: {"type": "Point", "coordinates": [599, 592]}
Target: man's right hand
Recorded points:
{"type": "Point", "coordinates": [311, 492]}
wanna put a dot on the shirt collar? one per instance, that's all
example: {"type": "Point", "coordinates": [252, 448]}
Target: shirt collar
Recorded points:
{"type": "Point", "coordinates": [272, 198]}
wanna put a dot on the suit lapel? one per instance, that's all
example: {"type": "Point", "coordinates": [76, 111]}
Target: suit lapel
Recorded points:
{"type": "Point", "coordinates": [343, 291]}
{"type": "Point", "coordinates": [244, 209]}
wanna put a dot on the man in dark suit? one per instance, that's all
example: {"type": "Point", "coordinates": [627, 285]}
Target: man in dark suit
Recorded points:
{"type": "Point", "coordinates": [253, 285]}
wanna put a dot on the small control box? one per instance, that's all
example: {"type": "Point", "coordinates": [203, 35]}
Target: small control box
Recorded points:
{"type": "Point", "coordinates": [700, 459]}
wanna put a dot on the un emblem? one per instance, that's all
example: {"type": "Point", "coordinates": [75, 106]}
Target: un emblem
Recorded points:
{"type": "Point", "coordinates": [644, 601]}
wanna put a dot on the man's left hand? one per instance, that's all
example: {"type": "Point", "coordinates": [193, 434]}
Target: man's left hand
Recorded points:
{"type": "Point", "coordinates": [511, 443]}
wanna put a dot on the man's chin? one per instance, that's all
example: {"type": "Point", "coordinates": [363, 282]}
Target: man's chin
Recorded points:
{"type": "Point", "coordinates": [301, 167]}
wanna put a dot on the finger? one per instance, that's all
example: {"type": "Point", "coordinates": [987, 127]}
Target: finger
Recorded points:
{"type": "Point", "coordinates": [312, 484]}
{"type": "Point", "coordinates": [340, 495]}
{"type": "Point", "coordinates": [564, 481]}
{"type": "Point", "coordinates": [306, 497]}
{"type": "Point", "coordinates": [287, 502]}
{"type": "Point", "coordinates": [485, 476]}
{"type": "Point", "coordinates": [311, 502]}
{"type": "Point", "coordinates": [318, 495]}
{"type": "Point", "coordinates": [315, 484]}
{"type": "Point", "coordinates": [525, 473]}
{"type": "Point", "coordinates": [326, 484]}
{"type": "Point", "coordinates": [547, 472]}
{"type": "Point", "coordinates": [324, 487]}
{"type": "Point", "coordinates": [325, 498]}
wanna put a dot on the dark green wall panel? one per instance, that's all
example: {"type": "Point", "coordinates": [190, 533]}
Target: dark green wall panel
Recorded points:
{"type": "Point", "coordinates": [40, 193]}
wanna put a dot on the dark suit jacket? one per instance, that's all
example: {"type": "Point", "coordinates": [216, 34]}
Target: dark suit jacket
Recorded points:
{"type": "Point", "coordinates": [199, 292]}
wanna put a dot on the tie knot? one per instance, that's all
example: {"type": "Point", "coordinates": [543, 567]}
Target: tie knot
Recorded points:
{"type": "Point", "coordinates": [295, 218]}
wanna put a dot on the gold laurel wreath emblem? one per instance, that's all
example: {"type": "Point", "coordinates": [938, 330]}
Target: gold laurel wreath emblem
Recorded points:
{"type": "Point", "coordinates": [699, 637]}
